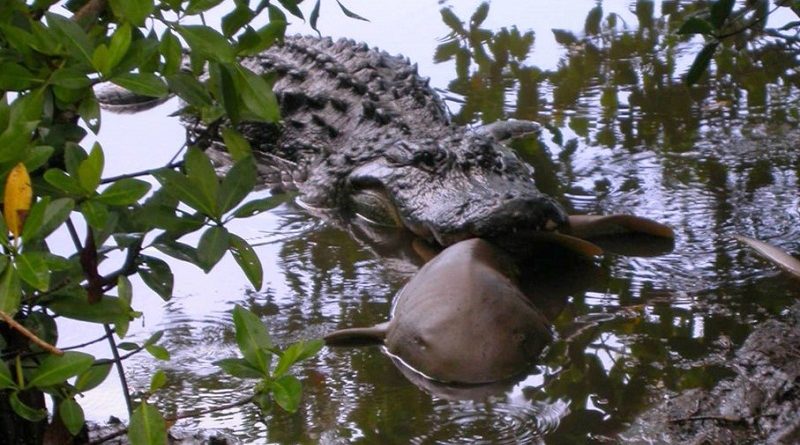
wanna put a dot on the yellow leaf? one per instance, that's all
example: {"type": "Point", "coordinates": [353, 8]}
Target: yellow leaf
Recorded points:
{"type": "Point", "coordinates": [17, 198]}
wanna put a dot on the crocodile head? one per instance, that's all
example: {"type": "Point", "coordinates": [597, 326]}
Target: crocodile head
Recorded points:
{"type": "Point", "coordinates": [451, 188]}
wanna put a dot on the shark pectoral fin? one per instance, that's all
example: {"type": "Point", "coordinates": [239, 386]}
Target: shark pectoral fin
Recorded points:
{"type": "Point", "coordinates": [590, 226]}
{"type": "Point", "coordinates": [775, 255]}
{"type": "Point", "coordinates": [358, 336]}
{"type": "Point", "coordinates": [581, 247]}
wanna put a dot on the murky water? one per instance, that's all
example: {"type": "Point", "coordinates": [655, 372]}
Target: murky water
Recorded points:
{"type": "Point", "coordinates": [719, 160]}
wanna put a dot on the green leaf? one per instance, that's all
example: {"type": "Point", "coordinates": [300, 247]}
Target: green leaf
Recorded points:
{"type": "Point", "coordinates": [287, 392]}
{"type": "Point", "coordinates": [208, 42]}
{"type": "Point", "coordinates": [94, 376]}
{"type": "Point", "coordinates": [55, 369]}
{"type": "Point", "coordinates": [247, 259]}
{"type": "Point", "coordinates": [70, 77]}
{"type": "Point", "coordinates": [258, 96]}
{"type": "Point", "coordinates": [179, 186]}
{"type": "Point", "coordinates": [181, 251]}
{"type": "Point", "coordinates": [128, 346]}
{"type": "Point", "coordinates": [15, 77]}
{"type": "Point", "coordinates": [134, 11]}
{"type": "Point", "coordinates": [446, 51]}
{"type": "Point", "coordinates": [146, 84]}
{"type": "Point", "coordinates": [291, 6]}
{"type": "Point", "coordinates": [165, 218]}
{"type": "Point", "coordinates": [212, 246]}
{"type": "Point", "coordinates": [71, 415]}
{"type": "Point", "coordinates": [720, 11]}
{"type": "Point", "coordinates": [14, 141]}
{"type": "Point", "coordinates": [10, 291]}
{"type": "Point", "coordinates": [96, 214]}
{"type": "Point", "coordinates": [54, 215]}
{"type": "Point", "coordinates": [74, 154]}
{"type": "Point", "coordinates": [252, 338]}
{"type": "Point", "coordinates": [295, 353]}
{"type": "Point", "coordinates": [157, 275]}
{"type": "Point", "coordinates": [198, 6]}
{"type": "Point", "coordinates": [89, 109]}
{"type": "Point", "coordinates": [6, 379]}
{"type": "Point", "coordinates": [701, 62]}
{"type": "Point", "coordinates": [314, 17]}
{"type": "Point", "coordinates": [34, 270]}
{"type": "Point", "coordinates": [259, 205]}
{"type": "Point", "coordinates": [451, 20]}
{"type": "Point", "coordinates": [240, 368]}
{"type": "Point", "coordinates": [76, 306]}
{"type": "Point", "coordinates": [480, 15]}
{"type": "Point", "coordinates": [236, 19]}
{"type": "Point", "coordinates": [227, 90]}
{"type": "Point", "coordinates": [190, 89]}
{"type": "Point", "coordinates": [147, 426]}
{"type": "Point", "coordinates": [61, 180]}
{"type": "Point", "coordinates": [171, 49]}
{"type": "Point", "coordinates": [202, 175]}
{"type": "Point", "coordinates": [696, 25]}
{"type": "Point", "coordinates": [74, 36]}
{"type": "Point", "coordinates": [237, 184]}
{"type": "Point", "coordinates": [350, 13]}
{"type": "Point", "coordinates": [101, 59]}
{"type": "Point", "coordinates": [158, 352]}
{"type": "Point", "coordinates": [25, 411]}
{"type": "Point", "coordinates": [153, 339]}
{"type": "Point", "coordinates": [38, 156]}
{"type": "Point", "coordinates": [124, 291]}
{"type": "Point", "coordinates": [158, 380]}
{"type": "Point", "coordinates": [119, 46]}
{"type": "Point", "coordinates": [91, 169]}
{"type": "Point", "coordinates": [253, 42]}
{"type": "Point", "coordinates": [33, 222]}
{"type": "Point", "coordinates": [124, 192]}
{"type": "Point", "coordinates": [237, 145]}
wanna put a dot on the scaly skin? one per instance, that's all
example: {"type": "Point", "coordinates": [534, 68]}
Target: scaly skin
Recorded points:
{"type": "Point", "coordinates": [363, 133]}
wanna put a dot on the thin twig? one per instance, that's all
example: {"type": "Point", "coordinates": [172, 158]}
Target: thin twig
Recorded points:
{"type": "Point", "coordinates": [30, 335]}
{"type": "Point", "coordinates": [148, 172]}
{"type": "Point", "coordinates": [750, 25]}
{"type": "Point", "coordinates": [120, 370]}
{"type": "Point", "coordinates": [83, 345]}
{"type": "Point", "coordinates": [109, 333]}
{"type": "Point", "coordinates": [128, 267]}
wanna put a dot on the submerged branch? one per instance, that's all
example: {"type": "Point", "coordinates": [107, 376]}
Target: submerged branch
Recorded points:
{"type": "Point", "coordinates": [179, 416]}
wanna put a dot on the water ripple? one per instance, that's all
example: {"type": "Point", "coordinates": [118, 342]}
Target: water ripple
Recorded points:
{"type": "Point", "coordinates": [499, 422]}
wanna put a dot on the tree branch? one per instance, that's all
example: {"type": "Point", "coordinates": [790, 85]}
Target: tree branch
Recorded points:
{"type": "Point", "coordinates": [172, 164]}
{"type": "Point", "coordinates": [30, 335]}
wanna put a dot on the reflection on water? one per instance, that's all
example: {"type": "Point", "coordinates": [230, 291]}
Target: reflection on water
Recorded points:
{"type": "Point", "coordinates": [625, 136]}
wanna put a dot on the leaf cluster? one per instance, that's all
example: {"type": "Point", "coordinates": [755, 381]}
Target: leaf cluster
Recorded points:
{"type": "Point", "coordinates": [275, 383]}
{"type": "Point", "coordinates": [51, 59]}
